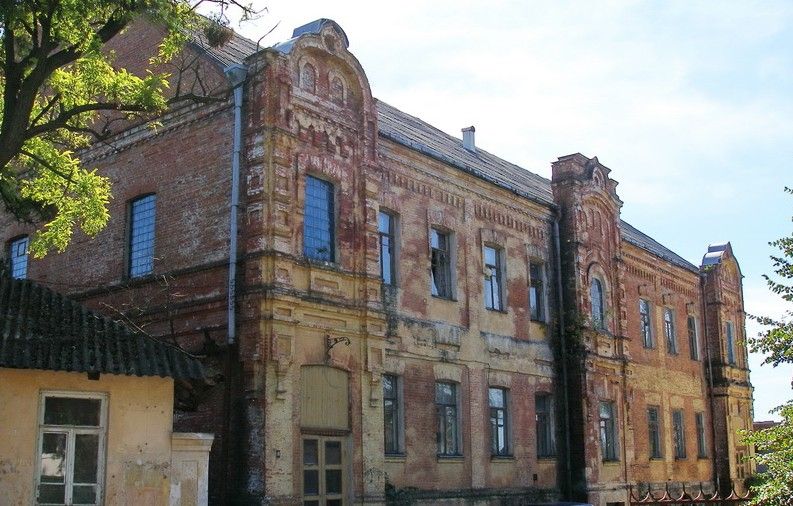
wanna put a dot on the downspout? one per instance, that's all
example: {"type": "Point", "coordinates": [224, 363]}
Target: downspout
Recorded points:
{"type": "Point", "coordinates": [714, 469]}
{"type": "Point", "coordinates": [563, 346]}
{"type": "Point", "coordinates": [236, 75]}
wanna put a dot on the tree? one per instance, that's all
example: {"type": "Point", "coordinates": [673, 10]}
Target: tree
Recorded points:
{"type": "Point", "coordinates": [56, 82]}
{"type": "Point", "coordinates": [775, 445]}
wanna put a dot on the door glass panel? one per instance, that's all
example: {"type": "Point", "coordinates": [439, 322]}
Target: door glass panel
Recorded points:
{"type": "Point", "coordinates": [84, 494]}
{"type": "Point", "coordinates": [67, 411]}
{"type": "Point", "coordinates": [86, 450]}
{"type": "Point", "coordinates": [310, 454]}
{"type": "Point", "coordinates": [53, 457]}
{"type": "Point", "coordinates": [333, 481]}
{"type": "Point", "coordinates": [332, 453]}
{"type": "Point", "coordinates": [51, 494]}
{"type": "Point", "coordinates": [310, 482]}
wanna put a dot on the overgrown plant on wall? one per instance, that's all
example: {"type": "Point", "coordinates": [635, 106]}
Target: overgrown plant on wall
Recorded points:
{"type": "Point", "coordinates": [59, 89]}
{"type": "Point", "coordinates": [775, 445]}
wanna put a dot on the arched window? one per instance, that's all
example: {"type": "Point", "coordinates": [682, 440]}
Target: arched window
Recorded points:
{"type": "Point", "coordinates": [596, 300]}
{"type": "Point", "coordinates": [308, 78]}
{"type": "Point", "coordinates": [337, 90]}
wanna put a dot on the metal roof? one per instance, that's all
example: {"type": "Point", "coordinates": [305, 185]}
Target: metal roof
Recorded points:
{"type": "Point", "coordinates": [42, 329]}
{"type": "Point", "coordinates": [234, 51]}
{"type": "Point", "coordinates": [638, 238]}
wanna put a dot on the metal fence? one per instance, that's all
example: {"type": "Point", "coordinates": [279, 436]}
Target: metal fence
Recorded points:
{"type": "Point", "coordinates": [681, 495]}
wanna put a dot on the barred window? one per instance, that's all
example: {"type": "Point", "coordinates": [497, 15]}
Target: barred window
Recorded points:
{"type": "Point", "coordinates": [646, 323]}
{"type": "Point", "coordinates": [386, 226]}
{"type": "Point", "coordinates": [543, 406]}
{"type": "Point", "coordinates": [654, 432]}
{"type": "Point", "coordinates": [18, 257]}
{"type": "Point", "coordinates": [318, 220]}
{"type": "Point", "coordinates": [679, 434]}
{"type": "Point", "coordinates": [493, 282]}
{"type": "Point", "coordinates": [608, 431]}
{"type": "Point", "coordinates": [669, 331]}
{"type": "Point", "coordinates": [499, 421]}
{"type": "Point", "coordinates": [141, 236]}
{"type": "Point", "coordinates": [536, 292]}
{"type": "Point", "coordinates": [693, 339]}
{"type": "Point", "coordinates": [441, 263]}
{"type": "Point", "coordinates": [448, 421]}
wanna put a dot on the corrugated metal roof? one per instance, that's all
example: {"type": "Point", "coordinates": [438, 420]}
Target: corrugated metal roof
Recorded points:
{"type": "Point", "coordinates": [42, 329]}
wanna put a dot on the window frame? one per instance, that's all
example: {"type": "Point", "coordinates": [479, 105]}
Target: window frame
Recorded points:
{"type": "Point", "coordinates": [12, 262]}
{"type": "Point", "coordinates": [446, 267]}
{"type": "Point", "coordinates": [444, 419]}
{"type": "Point", "coordinates": [729, 334]}
{"type": "Point", "coordinates": [646, 324]}
{"type": "Point", "coordinates": [609, 445]}
{"type": "Point", "coordinates": [679, 434]}
{"type": "Point", "coordinates": [545, 426]}
{"type": "Point", "coordinates": [537, 291]}
{"type": "Point", "coordinates": [330, 188]}
{"type": "Point", "coordinates": [398, 429]}
{"type": "Point", "coordinates": [654, 433]}
{"type": "Point", "coordinates": [693, 337]}
{"type": "Point", "coordinates": [72, 431]}
{"type": "Point", "coordinates": [597, 305]}
{"type": "Point", "coordinates": [493, 282]}
{"type": "Point", "coordinates": [499, 448]}
{"type": "Point", "coordinates": [391, 236]}
{"type": "Point", "coordinates": [130, 273]}
{"type": "Point", "coordinates": [670, 332]}
{"type": "Point", "coordinates": [702, 444]}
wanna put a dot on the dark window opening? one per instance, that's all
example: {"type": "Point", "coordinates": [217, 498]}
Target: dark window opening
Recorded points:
{"type": "Point", "coordinates": [441, 264]}
{"type": "Point", "coordinates": [318, 221]}
{"type": "Point", "coordinates": [536, 292]}
{"type": "Point", "coordinates": [492, 286]}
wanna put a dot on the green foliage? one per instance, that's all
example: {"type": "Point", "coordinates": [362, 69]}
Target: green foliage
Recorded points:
{"type": "Point", "coordinates": [56, 82]}
{"type": "Point", "coordinates": [775, 445]}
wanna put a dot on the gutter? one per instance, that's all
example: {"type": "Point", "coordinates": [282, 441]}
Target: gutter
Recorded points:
{"type": "Point", "coordinates": [563, 347]}
{"type": "Point", "coordinates": [236, 75]}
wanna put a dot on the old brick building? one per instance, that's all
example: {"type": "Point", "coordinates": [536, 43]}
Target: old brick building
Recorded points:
{"type": "Point", "coordinates": [408, 316]}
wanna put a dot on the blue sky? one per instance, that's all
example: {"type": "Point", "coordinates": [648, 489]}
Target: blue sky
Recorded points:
{"type": "Point", "coordinates": [689, 103]}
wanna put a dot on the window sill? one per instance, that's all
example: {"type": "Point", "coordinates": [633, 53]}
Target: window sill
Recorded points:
{"type": "Point", "coordinates": [496, 310]}
{"type": "Point", "coordinates": [447, 299]}
{"type": "Point", "coordinates": [547, 457]}
{"type": "Point", "coordinates": [450, 458]}
{"type": "Point", "coordinates": [395, 457]}
{"type": "Point", "coordinates": [541, 322]}
{"type": "Point", "coordinates": [611, 462]}
{"type": "Point", "coordinates": [502, 458]}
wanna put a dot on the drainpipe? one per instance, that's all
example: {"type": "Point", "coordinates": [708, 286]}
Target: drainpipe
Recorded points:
{"type": "Point", "coordinates": [563, 346]}
{"type": "Point", "coordinates": [236, 75]}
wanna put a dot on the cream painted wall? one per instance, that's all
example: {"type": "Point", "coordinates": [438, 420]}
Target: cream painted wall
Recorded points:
{"type": "Point", "coordinates": [140, 414]}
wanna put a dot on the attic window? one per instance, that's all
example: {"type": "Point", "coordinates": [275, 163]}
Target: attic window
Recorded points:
{"type": "Point", "coordinates": [337, 90]}
{"type": "Point", "coordinates": [308, 78]}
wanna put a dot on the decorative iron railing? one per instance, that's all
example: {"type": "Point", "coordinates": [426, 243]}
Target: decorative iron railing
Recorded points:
{"type": "Point", "coordinates": [696, 496]}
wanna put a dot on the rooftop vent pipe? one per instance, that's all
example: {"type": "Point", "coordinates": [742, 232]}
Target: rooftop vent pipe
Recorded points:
{"type": "Point", "coordinates": [468, 139]}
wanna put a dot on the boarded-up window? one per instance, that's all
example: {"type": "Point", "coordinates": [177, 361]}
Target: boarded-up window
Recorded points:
{"type": "Point", "coordinates": [325, 398]}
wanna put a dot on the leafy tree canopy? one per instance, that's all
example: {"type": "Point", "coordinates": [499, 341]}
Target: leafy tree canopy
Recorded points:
{"type": "Point", "coordinates": [775, 445]}
{"type": "Point", "coordinates": [56, 80]}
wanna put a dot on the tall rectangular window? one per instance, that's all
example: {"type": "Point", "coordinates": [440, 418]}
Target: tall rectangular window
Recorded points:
{"type": "Point", "coordinates": [18, 257]}
{"type": "Point", "coordinates": [71, 449]}
{"type": "Point", "coordinates": [499, 421]}
{"type": "Point", "coordinates": [448, 422]}
{"type": "Point", "coordinates": [669, 331]}
{"type": "Point", "coordinates": [392, 415]}
{"type": "Point", "coordinates": [701, 448]}
{"type": "Point", "coordinates": [441, 263]}
{"type": "Point", "coordinates": [654, 432]}
{"type": "Point", "coordinates": [141, 236]}
{"type": "Point", "coordinates": [543, 406]}
{"type": "Point", "coordinates": [493, 283]}
{"type": "Point", "coordinates": [536, 292]}
{"type": "Point", "coordinates": [608, 431]}
{"type": "Point", "coordinates": [319, 220]}
{"type": "Point", "coordinates": [645, 320]}
{"type": "Point", "coordinates": [679, 434]}
{"type": "Point", "coordinates": [730, 344]}
{"type": "Point", "coordinates": [693, 339]}
{"type": "Point", "coordinates": [386, 230]}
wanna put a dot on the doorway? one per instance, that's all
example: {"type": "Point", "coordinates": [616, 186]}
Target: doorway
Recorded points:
{"type": "Point", "coordinates": [323, 471]}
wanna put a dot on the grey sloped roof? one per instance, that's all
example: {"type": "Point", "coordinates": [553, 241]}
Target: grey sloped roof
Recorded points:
{"type": "Point", "coordinates": [232, 52]}
{"type": "Point", "coordinates": [42, 329]}
{"type": "Point", "coordinates": [638, 238]}
{"type": "Point", "coordinates": [311, 28]}
{"type": "Point", "coordinates": [419, 135]}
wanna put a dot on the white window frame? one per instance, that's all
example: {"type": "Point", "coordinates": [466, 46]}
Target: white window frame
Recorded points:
{"type": "Point", "coordinates": [71, 431]}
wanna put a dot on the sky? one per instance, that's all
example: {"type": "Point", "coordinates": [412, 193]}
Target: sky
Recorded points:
{"type": "Point", "coordinates": [689, 103]}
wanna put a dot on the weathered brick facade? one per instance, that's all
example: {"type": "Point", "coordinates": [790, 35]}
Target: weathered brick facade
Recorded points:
{"type": "Point", "coordinates": [315, 338]}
